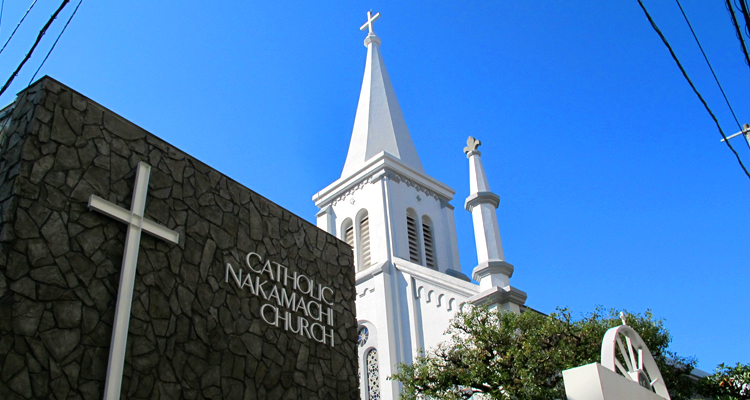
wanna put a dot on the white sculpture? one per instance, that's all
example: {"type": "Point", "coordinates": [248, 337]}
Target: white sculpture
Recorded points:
{"type": "Point", "coordinates": [626, 369]}
{"type": "Point", "coordinates": [639, 365]}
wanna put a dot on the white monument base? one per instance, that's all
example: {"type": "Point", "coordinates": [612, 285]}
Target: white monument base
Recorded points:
{"type": "Point", "coordinates": [595, 382]}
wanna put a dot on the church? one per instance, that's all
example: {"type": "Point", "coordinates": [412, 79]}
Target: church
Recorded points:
{"type": "Point", "coordinates": [128, 268]}
{"type": "Point", "coordinates": [399, 220]}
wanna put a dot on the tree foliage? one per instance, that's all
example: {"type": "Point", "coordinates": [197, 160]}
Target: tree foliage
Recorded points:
{"type": "Point", "coordinates": [727, 383]}
{"type": "Point", "coordinates": [521, 356]}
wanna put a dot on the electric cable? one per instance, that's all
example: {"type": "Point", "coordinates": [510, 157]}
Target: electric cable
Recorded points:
{"type": "Point", "coordinates": [709, 65]}
{"type": "Point", "coordinates": [19, 24]}
{"type": "Point", "coordinates": [674, 57]}
{"type": "Point", "coordinates": [2, 7]}
{"type": "Point", "coordinates": [738, 31]}
{"type": "Point", "coordinates": [55, 44]}
{"type": "Point", "coordinates": [38, 38]}
{"type": "Point", "coordinates": [743, 7]}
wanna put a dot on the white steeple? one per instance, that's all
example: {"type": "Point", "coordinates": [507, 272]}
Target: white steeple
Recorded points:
{"type": "Point", "coordinates": [400, 225]}
{"type": "Point", "coordinates": [409, 215]}
{"type": "Point", "coordinates": [492, 272]}
{"type": "Point", "coordinates": [379, 125]}
{"type": "Point", "coordinates": [482, 204]}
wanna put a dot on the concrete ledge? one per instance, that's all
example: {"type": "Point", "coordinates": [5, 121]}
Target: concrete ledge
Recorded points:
{"type": "Point", "coordinates": [492, 267]}
{"type": "Point", "coordinates": [498, 295]}
{"type": "Point", "coordinates": [371, 271]}
{"type": "Point", "coordinates": [481, 198]}
{"type": "Point", "coordinates": [595, 382]}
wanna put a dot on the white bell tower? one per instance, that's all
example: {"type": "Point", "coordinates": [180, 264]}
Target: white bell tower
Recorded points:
{"type": "Point", "coordinates": [399, 222]}
{"type": "Point", "coordinates": [384, 204]}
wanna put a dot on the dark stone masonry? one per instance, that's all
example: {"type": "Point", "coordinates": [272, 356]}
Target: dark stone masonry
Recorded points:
{"type": "Point", "coordinates": [194, 332]}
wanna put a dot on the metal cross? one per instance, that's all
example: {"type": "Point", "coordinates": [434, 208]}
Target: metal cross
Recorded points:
{"type": "Point", "coordinates": [136, 224]}
{"type": "Point", "coordinates": [370, 19]}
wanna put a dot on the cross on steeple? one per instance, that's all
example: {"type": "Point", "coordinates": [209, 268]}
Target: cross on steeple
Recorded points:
{"type": "Point", "coordinates": [370, 19]}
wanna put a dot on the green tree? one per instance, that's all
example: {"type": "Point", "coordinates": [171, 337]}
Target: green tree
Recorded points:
{"type": "Point", "coordinates": [727, 383]}
{"type": "Point", "coordinates": [521, 356]}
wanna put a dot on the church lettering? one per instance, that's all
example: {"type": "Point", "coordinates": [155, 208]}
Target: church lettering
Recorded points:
{"type": "Point", "coordinates": [249, 264]}
{"type": "Point", "coordinates": [286, 300]}
{"type": "Point", "coordinates": [315, 331]}
{"type": "Point", "coordinates": [294, 301]}
{"type": "Point", "coordinates": [274, 294]}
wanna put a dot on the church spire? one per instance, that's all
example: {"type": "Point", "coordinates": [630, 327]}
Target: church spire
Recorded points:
{"type": "Point", "coordinates": [492, 270]}
{"type": "Point", "coordinates": [379, 124]}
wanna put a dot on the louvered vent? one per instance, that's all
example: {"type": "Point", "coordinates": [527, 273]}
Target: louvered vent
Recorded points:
{"type": "Point", "coordinates": [429, 248]}
{"type": "Point", "coordinates": [364, 230]}
{"type": "Point", "coordinates": [411, 230]}
{"type": "Point", "coordinates": [349, 239]}
{"type": "Point", "coordinates": [349, 236]}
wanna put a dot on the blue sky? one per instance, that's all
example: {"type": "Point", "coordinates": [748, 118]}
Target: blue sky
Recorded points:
{"type": "Point", "coordinates": [615, 189]}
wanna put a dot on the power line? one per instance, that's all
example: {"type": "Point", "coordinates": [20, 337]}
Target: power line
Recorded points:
{"type": "Point", "coordinates": [709, 64]}
{"type": "Point", "coordinates": [743, 7]}
{"type": "Point", "coordinates": [55, 44]}
{"type": "Point", "coordinates": [738, 31]}
{"type": "Point", "coordinates": [38, 38]}
{"type": "Point", "coordinates": [674, 57]}
{"type": "Point", "coordinates": [2, 7]}
{"type": "Point", "coordinates": [19, 24]}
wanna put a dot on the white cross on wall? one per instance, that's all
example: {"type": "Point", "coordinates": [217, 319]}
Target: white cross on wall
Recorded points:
{"type": "Point", "coordinates": [370, 19]}
{"type": "Point", "coordinates": [136, 224]}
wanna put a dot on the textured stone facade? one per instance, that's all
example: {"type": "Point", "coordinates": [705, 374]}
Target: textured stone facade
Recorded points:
{"type": "Point", "coordinates": [192, 334]}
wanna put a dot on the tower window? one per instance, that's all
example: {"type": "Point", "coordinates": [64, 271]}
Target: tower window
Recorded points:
{"type": "Point", "coordinates": [373, 375]}
{"type": "Point", "coordinates": [364, 243]}
{"type": "Point", "coordinates": [348, 230]}
{"type": "Point", "coordinates": [429, 244]}
{"type": "Point", "coordinates": [349, 236]}
{"type": "Point", "coordinates": [413, 235]}
{"type": "Point", "coordinates": [362, 336]}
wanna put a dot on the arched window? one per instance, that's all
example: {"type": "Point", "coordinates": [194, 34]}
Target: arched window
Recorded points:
{"type": "Point", "coordinates": [429, 243]}
{"type": "Point", "coordinates": [373, 375]}
{"type": "Point", "coordinates": [415, 255]}
{"type": "Point", "coordinates": [347, 230]}
{"type": "Point", "coordinates": [364, 242]}
{"type": "Point", "coordinates": [368, 365]}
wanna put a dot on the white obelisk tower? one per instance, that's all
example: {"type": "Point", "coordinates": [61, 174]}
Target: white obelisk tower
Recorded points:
{"type": "Point", "coordinates": [492, 272]}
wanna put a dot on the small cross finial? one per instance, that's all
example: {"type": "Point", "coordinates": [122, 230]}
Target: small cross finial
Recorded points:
{"type": "Point", "coordinates": [370, 19]}
{"type": "Point", "coordinates": [622, 318]}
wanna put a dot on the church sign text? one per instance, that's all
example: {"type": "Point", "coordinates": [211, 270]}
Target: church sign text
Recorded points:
{"type": "Point", "coordinates": [287, 293]}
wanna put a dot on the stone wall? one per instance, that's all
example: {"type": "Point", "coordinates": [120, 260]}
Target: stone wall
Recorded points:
{"type": "Point", "coordinates": [192, 334]}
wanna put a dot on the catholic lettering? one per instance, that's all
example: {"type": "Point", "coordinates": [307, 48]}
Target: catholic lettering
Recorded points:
{"type": "Point", "coordinates": [295, 302]}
